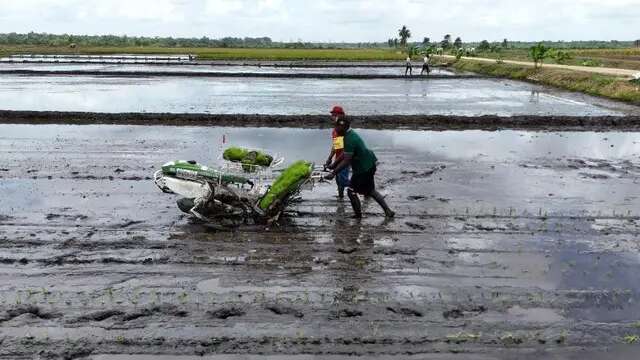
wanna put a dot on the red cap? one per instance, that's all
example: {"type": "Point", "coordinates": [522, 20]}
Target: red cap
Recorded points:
{"type": "Point", "coordinates": [337, 110]}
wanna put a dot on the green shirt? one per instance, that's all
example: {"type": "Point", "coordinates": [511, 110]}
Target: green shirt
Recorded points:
{"type": "Point", "coordinates": [363, 159]}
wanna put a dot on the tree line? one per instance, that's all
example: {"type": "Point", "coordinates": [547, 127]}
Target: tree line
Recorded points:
{"type": "Point", "coordinates": [404, 34]}
{"type": "Point", "coordinates": [447, 43]}
{"type": "Point", "coordinates": [45, 39]}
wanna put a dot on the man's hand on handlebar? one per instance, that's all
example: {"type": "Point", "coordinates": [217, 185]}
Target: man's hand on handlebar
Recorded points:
{"type": "Point", "coordinates": [330, 176]}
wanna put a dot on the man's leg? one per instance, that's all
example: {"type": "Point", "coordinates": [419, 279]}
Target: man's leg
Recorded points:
{"type": "Point", "coordinates": [381, 201]}
{"type": "Point", "coordinates": [342, 179]}
{"type": "Point", "coordinates": [355, 203]}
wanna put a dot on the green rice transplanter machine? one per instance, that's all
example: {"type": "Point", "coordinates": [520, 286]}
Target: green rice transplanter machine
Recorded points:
{"type": "Point", "coordinates": [244, 187]}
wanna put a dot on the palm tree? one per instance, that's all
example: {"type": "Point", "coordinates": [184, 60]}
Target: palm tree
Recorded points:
{"type": "Point", "coordinates": [404, 34]}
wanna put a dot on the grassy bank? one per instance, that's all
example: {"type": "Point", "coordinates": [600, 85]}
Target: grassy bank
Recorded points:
{"type": "Point", "coordinates": [593, 84]}
{"type": "Point", "coordinates": [220, 53]}
{"type": "Point", "coordinates": [628, 58]}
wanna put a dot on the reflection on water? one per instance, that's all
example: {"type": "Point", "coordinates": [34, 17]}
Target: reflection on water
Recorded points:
{"type": "Point", "coordinates": [535, 97]}
{"type": "Point", "coordinates": [291, 96]}
{"type": "Point", "coordinates": [399, 70]}
{"type": "Point", "coordinates": [313, 144]}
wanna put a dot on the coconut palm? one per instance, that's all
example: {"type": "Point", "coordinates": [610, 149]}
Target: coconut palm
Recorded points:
{"type": "Point", "coordinates": [404, 34]}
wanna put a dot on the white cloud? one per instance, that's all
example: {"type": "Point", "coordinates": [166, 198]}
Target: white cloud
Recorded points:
{"type": "Point", "coordinates": [322, 20]}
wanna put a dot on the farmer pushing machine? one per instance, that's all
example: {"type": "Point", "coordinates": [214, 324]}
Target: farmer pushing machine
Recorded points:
{"type": "Point", "coordinates": [246, 186]}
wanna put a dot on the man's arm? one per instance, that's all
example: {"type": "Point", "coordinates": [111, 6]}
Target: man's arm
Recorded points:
{"type": "Point", "coordinates": [330, 158]}
{"type": "Point", "coordinates": [341, 163]}
{"type": "Point", "coordinates": [337, 162]}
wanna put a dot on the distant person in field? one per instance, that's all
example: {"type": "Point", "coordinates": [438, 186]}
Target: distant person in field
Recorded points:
{"type": "Point", "coordinates": [363, 163]}
{"type": "Point", "coordinates": [409, 68]}
{"type": "Point", "coordinates": [337, 149]}
{"type": "Point", "coordinates": [425, 65]}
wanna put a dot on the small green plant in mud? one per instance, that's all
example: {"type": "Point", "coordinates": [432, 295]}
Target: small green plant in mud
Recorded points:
{"type": "Point", "coordinates": [462, 337]}
{"type": "Point", "coordinates": [134, 297]}
{"type": "Point", "coordinates": [31, 296]}
{"type": "Point", "coordinates": [631, 339]}
{"type": "Point", "coordinates": [155, 297]}
{"type": "Point", "coordinates": [183, 297]}
{"type": "Point", "coordinates": [562, 338]}
{"type": "Point", "coordinates": [110, 294]}
{"type": "Point", "coordinates": [509, 339]}
{"type": "Point", "coordinates": [45, 294]}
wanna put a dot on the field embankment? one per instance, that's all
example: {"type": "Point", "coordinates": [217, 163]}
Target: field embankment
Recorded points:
{"type": "Point", "coordinates": [407, 122]}
{"type": "Point", "coordinates": [218, 53]}
{"type": "Point", "coordinates": [609, 86]}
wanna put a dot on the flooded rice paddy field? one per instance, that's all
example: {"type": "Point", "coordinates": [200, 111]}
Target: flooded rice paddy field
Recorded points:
{"type": "Point", "coordinates": [459, 97]}
{"type": "Point", "coordinates": [214, 68]}
{"type": "Point", "coordinates": [507, 244]}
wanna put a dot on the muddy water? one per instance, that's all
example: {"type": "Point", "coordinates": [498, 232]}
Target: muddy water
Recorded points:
{"type": "Point", "coordinates": [399, 70]}
{"type": "Point", "coordinates": [506, 245]}
{"type": "Point", "coordinates": [295, 96]}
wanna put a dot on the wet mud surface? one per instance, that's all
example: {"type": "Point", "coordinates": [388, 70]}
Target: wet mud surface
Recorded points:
{"type": "Point", "coordinates": [123, 73]}
{"type": "Point", "coordinates": [300, 64]}
{"type": "Point", "coordinates": [502, 248]}
{"type": "Point", "coordinates": [409, 122]}
{"type": "Point", "coordinates": [229, 70]}
{"type": "Point", "coordinates": [295, 96]}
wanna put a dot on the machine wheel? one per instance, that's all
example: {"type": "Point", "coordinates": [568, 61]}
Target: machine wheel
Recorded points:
{"type": "Point", "coordinates": [185, 205]}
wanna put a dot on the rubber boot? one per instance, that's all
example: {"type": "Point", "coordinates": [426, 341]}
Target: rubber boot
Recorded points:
{"type": "Point", "coordinates": [380, 200]}
{"type": "Point", "coordinates": [340, 192]}
{"type": "Point", "coordinates": [355, 204]}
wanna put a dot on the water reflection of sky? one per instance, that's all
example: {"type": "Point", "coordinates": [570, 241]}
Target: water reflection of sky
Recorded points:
{"type": "Point", "coordinates": [398, 70]}
{"type": "Point", "coordinates": [314, 143]}
{"type": "Point", "coordinates": [292, 96]}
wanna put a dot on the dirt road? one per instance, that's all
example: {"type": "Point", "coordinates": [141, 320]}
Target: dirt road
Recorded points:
{"type": "Point", "coordinates": [507, 245]}
{"type": "Point", "coordinates": [626, 73]}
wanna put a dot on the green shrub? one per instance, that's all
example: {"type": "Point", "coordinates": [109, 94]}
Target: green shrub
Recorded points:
{"type": "Point", "coordinates": [591, 62]}
{"type": "Point", "coordinates": [538, 53]}
{"type": "Point", "coordinates": [561, 56]}
{"type": "Point", "coordinates": [286, 182]}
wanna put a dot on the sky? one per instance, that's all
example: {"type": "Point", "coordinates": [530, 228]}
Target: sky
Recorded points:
{"type": "Point", "coordinates": [330, 20]}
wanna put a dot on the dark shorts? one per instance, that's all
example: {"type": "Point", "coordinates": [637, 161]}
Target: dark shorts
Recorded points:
{"type": "Point", "coordinates": [364, 183]}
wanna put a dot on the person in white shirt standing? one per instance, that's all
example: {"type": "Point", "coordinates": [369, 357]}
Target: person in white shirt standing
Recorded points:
{"type": "Point", "coordinates": [425, 65]}
{"type": "Point", "coordinates": [408, 69]}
